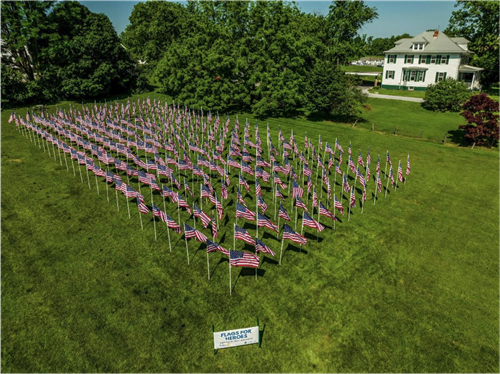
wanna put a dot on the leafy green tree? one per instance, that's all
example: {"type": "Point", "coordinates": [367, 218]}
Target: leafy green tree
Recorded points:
{"type": "Point", "coordinates": [154, 26]}
{"type": "Point", "coordinates": [344, 20]}
{"type": "Point", "coordinates": [26, 31]}
{"type": "Point", "coordinates": [87, 58]}
{"type": "Point", "coordinates": [447, 95]}
{"type": "Point", "coordinates": [377, 46]}
{"type": "Point", "coordinates": [478, 22]}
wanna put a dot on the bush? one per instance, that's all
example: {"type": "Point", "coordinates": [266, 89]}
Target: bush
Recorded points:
{"type": "Point", "coordinates": [481, 114]}
{"type": "Point", "coordinates": [447, 95]}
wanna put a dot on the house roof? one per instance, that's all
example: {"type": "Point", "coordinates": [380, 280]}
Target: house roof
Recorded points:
{"type": "Point", "coordinates": [441, 44]}
{"type": "Point", "coordinates": [469, 69]}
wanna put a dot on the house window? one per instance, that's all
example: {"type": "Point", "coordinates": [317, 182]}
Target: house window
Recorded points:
{"type": "Point", "coordinates": [433, 59]}
{"type": "Point", "coordinates": [445, 59]}
{"type": "Point", "coordinates": [440, 76]}
{"type": "Point", "coordinates": [413, 74]}
{"type": "Point", "coordinates": [389, 74]}
{"type": "Point", "coordinates": [409, 59]}
{"type": "Point", "coordinates": [391, 59]}
{"type": "Point", "coordinates": [418, 47]}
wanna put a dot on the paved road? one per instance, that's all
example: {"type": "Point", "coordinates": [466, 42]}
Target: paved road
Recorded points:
{"type": "Point", "coordinates": [390, 97]}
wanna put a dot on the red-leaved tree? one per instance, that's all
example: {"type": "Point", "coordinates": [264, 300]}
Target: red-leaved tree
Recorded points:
{"type": "Point", "coordinates": [481, 113]}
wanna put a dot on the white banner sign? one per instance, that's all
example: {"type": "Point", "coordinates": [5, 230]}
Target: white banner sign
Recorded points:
{"type": "Point", "coordinates": [234, 338]}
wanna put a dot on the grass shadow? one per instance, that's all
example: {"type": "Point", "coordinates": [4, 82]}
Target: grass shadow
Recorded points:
{"type": "Point", "coordinates": [268, 235]}
{"type": "Point", "coordinates": [270, 260]}
{"type": "Point", "coordinates": [250, 272]}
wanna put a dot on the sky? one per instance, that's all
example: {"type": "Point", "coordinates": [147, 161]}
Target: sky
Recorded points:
{"type": "Point", "coordinates": [395, 17]}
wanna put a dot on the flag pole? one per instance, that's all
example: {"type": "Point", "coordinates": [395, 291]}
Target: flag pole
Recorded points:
{"type": "Point", "coordinates": [230, 289]}
{"type": "Point", "coordinates": [349, 203]}
{"type": "Point", "coordinates": [140, 216]}
{"type": "Point", "coordinates": [376, 188]}
{"type": "Point", "coordinates": [234, 236]}
{"type": "Point", "coordinates": [385, 170]}
{"type": "Point", "coordinates": [208, 265]}
{"type": "Point", "coordinates": [386, 188]}
{"type": "Point", "coordinates": [187, 250]}
{"type": "Point", "coordinates": [281, 251]}
{"type": "Point", "coordinates": [317, 234]}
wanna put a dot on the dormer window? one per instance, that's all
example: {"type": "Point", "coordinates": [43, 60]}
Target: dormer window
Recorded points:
{"type": "Point", "coordinates": [418, 46]}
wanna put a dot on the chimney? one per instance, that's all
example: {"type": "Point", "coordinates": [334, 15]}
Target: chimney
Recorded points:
{"type": "Point", "coordinates": [436, 32]}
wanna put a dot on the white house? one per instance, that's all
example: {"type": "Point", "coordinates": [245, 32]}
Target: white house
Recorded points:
{"type": "Point", "coordinates": [414, 63]}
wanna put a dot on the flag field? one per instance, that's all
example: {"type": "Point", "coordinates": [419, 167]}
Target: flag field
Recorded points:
{"type": "Point", "coordinates": [409, 285]}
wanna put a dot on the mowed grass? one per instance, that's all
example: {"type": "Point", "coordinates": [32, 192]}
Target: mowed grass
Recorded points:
{"type": "Point", "coordinates": [410, 285]}
{"type": "Point", "coordinates": [405, 93]}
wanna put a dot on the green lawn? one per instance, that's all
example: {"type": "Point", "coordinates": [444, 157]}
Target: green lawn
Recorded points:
{"type": "Point", "coordinates": [410, 285]}
{"type": "Point", "coordinates": [384, 91]}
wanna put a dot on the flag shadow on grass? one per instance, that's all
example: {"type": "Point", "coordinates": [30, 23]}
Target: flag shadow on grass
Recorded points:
{"type": "Point", "coordinates": [270, 260]}
{"type": "Point", "coordinates": [202, 245]}
{"type": "Point", "coordinates": [293, 248]}
{"type": "Point", "coordinates": [246, 272]}
{"type": "Point", "coordinates": [250, 226]}
{"type": "Point", "coordinates": [313, 237]}
{"type": "Point", "coordinates": [268, 235]}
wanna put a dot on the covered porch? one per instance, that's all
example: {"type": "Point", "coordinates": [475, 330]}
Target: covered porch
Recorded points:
{"type": "Point", "coordinates": [470, 75]}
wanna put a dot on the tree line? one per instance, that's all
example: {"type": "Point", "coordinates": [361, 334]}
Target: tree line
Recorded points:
{"type": "Point", "coordinates": [269, 58]}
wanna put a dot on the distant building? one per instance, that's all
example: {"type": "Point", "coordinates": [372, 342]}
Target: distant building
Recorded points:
{"type": "Point", "coordinates": [414, 63]}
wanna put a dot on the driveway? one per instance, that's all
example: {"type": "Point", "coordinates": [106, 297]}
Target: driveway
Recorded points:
{"type": "Point", "coordinates": [390, 97]}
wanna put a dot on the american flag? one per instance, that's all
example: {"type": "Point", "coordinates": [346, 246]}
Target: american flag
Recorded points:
{"type": "Point", "coordinates": [246, 157]}
{"type": "Point", "coordinates": [378, 165]}
{"type": "Point", "coordinates": [260, 173]}
{"type": "Point", "coordinates": [172, 224]}
{"type": "Point", "coordinates": [202, 162]}
{"type": "Point", "coordinates": [239, 197]}
{"type": "Point", "coordinates": [338, 205]}
{"type": "Point", "coordinates": [223, 191]}
{"type": "Point", "coordinates": [340, 158]}
{"type": "Point", "coordinates": [166, 192]}
{"type": "Point", "coordinates": [258, 189]}
{"type": "Point", "coordinates": [308, 221]}
{"type": "Point", "coordinates": [157, 212]}
{"type": "Point", "coordinates": [346, 184]}
{"type": "Point", "coordinates": [364, 194]}
{"type": "Point", "coordinates": [351, 164]}
{"type": "Point", "coordinates": [193, 233]}
{"type": "Point", "coordinates": [261, 247]}
{"type": "Point", "coordinates": [239, 258]}
{"type": "Point", "coordinates": [242, 182]}
{"type": "Point", "coordinates": [391, 176]}
{"type": "Point", "coordinates": [129, 191]}
{"type": "Point", "coordinates": [400, 172]}
{"type": "Point", "coordinates": [368, 174]}
{"type": "Point", "coordinates": [261, 204]}
{"type": "Point", "coordinates": [142, 207]}
{"type": "Point", "coordinates": [325, 212]}
{"type": "Point", "coordinates": [330, 162]}
{"type": "Point", "coordinates": [408, 166]}
{"type": "Point", "coordinates": [233, 163]}
{"type": "Point", "coordinates": [201, 215]}
{"type": "Point", "coordinates": [307, 171]}
{"type": "Point", "coordinates": [244, 212]}
{"type": "Point", "coordinates": [151, 165]}
{"type": "Point", "coordinates": [218, 206]}
{"type": "Point", "coordinates": [388, 158]}
{"type": "Point", "coordinates": [263, 163]}
{"type": "Point", "coordinates": [205, 192]}
{"type": "Point", "coordinates": [353, 198]}
{"type": "Point", "coordinates": [278, 168]}
{"type": "Point", "coordinates": [337, 169]}
{"type": "Point", "coordinates": [246, 169]}
{"type": "Point", "coordinates": [360, 159]}
{"type": "Point", "coordinates": [263, 221]}
{"type": "Point", "coordinates": [361, 178]}
{"type": "Point", "coordinates": [214, 227]}
{"type": "Point", "coordinates": [297, 190]}
{"type": "Point", "coordinates": [278, 194]}
{"type": "Point", "coordinates": [277, 180]}
{"type": "Point", "coordinates": [299, 203]}
{"type": "Point", "coordinates": [183, 203]}
{"type": "Point", "coordinates": [337, 145]}
{"type": "Point", "coordinates": [242, 234]}
{"type": "Point", "coordinates": [368, 158]}
{"type": "Point", "coordinates": [379, 183]}
{"type": "Point", "coordinates": [328, 149]}
{"type": "Point", "coordinates": [309, 184]}
{"type": "Point", "coordinates": [212, 247]}
{"type": "Point", "coordinates": [283, 213]}
{"type": "Point", "coordinates": [143, 177]}
{"type": "Point", "coordinates": [288, 233]}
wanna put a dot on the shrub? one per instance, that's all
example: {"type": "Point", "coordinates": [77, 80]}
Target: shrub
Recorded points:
{"type": "Point", "coordinates": [447, 95]}
{"type": "Point", "coordinates": [481, 113]}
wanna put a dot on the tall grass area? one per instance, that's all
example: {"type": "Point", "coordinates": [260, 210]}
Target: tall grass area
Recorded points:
{"type": "Point", "coordinates": [410, 285]}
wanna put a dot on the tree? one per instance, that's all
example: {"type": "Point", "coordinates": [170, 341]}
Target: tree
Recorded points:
{"type": "Point", "coordinates": [481, 113]}
{"type": "Point", "coordinates": [478, 22]}
{"type": "Point", "coordinates": [87, 58]}
{"type": "Point", "coordinates": [344, 20]}
{"type": "Point", "coordinates": [154, 26]}
{"type": "Point", "coordinates": [26, 31]}
{"type": "Point", "coordinates": [447, 95]}
{"type": "Point", "coordinates": [330, 93]}
{"type": "Point", "coordinates": [377, 46]}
